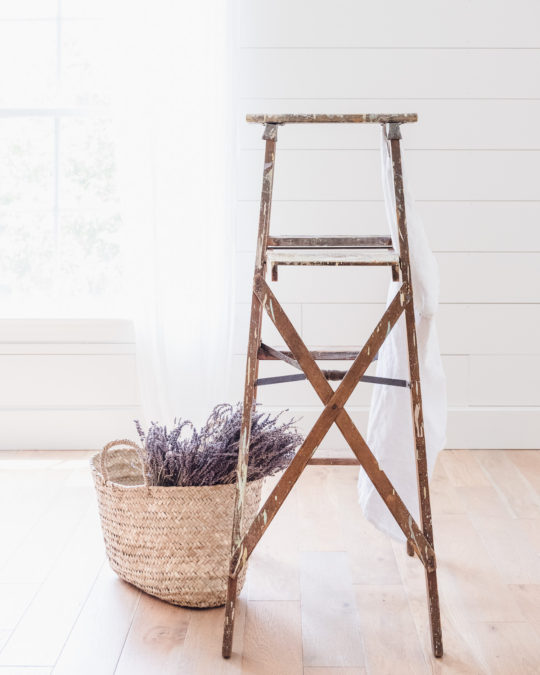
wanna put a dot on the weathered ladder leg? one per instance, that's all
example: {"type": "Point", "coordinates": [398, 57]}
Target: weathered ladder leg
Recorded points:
{"type": "Point", "coordinates": [394, 135]}
{"type": "Point", "coordinates": [252, 367]}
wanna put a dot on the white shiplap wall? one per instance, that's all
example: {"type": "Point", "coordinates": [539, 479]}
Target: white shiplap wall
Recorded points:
{"type": "Point", "coordinates": [471, 69]}
{"type": "Point", "coordinates": [472, 72]}
{"type": "Point", "coordinates": [66, 384]}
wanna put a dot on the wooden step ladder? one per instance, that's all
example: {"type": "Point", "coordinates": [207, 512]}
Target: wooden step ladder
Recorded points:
{"type": "Point", "coordinates": [336, 251]}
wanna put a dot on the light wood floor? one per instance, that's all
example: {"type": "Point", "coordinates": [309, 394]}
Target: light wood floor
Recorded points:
{"type": "Point", "coordinates": [326, 593]}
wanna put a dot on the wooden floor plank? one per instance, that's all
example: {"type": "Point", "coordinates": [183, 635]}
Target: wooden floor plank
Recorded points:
{"type": "Point", "coordinates": [320, 527]}
{"type": "Point", "coordinates": [155, 640]}
{"type": "Point", "coordinates": [334, 671]}
{"type": "Point", "coordinates": [36, 639]}
{"type": "Point", "coordinates": [472, 586]}
{"type": "Point", "coordinates": [370, 554]}
{"type": "Point", "coordinates": [509, 648]}
{"type": "Point", "coordinates": [4, 636]}
{"type": "Point", "coordinates": [528, 464]}
{"type": "Point", "coordinates": [520, 497]}
{"type": "Point", "coordinates": [482, 500]}
{"type": "Point", "coordinates": [202, 645]}
{"type": "Point", "coordinates": [96, 640]}
{"type": "Point", "coordinates": [273, 642]}
{"type": "Point", "coordinates": [331, 632]}
{"type": "Point", "coordinates": [460, 654]}
{"type": "Point", "coordinates": [445, 496]}
{"type": "Point", "coordinates": [462, 468]}
{"type": "Point", "coordinates": [33, 492]}
{"type": "Point", "coordinates": [528, 598]}
{"type": "Point", "coordinates": [386, 620]}
{"type": "Point", "coordinates": [7, 670]}
{"type": "Point", "coordinates": [273, 572]}
{"type": "Point", "coordinates": [502, 537]}
{"type": "Point", "coordinates": [14, 600]}
{"type": "Point", "coordinates": [49, 535]}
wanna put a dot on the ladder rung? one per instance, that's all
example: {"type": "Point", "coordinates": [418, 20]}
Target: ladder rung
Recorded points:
{"type": "Point", "coordinates": [361, 118]}
{"type": "Point", "coordinates": [372, 241]}
{"type": "Point", "coordinates": [334, 461]}
{"type": "Point", "coordinates": [317, 354]}
{"type": "Point", "coordinates": [375, 257]}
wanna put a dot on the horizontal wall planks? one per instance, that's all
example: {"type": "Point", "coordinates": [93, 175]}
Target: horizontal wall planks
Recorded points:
{"type": "Point", "coordinates": [81, 348]}
{"type": "Point", "coordinates": [489, 329]}
{"type": "Point", "coordinates": [483, 278]}
{"type": "Point", "coordinates": [72, 380]}
{"type": "Point", "coordinates": [373, 73]}
{"type": "Point", "coordinates": [442, 124]}
{"type": "Point", "coordinates": [66, 429]}
{"type": "Point", "coordinates": [448, 175]}
{"type": "Point", "coordinates": [450, 225]}
{"type": "Point", "coordinates": [75, 331]}
{"type": "Point", "coordinates": [72, 383]}
{"type": "Point", "coordinates": [489, 277]}
{"type": "Point", "coordinates": [512, 380]}
{"type": "Point", "coordinates": [497, 428]}
{"type": "Point", "coordinates": [463, 328]}
{"type": "Point", "coordinates": [427, 23]}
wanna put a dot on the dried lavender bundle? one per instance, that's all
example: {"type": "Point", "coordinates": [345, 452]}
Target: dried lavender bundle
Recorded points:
{"type": "Point", "coordinates": [187, 456]}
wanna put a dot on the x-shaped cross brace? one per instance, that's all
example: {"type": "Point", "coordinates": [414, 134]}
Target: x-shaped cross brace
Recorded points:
{"type": "Point", "coordinates": [333, 412]}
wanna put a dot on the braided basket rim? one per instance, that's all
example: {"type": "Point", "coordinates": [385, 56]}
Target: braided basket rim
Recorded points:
{"type": "Point", "coordinates": [95, 466]}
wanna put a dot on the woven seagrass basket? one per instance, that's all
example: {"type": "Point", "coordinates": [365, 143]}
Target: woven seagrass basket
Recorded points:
{"type": "Point", "coordinates": [171, 542]}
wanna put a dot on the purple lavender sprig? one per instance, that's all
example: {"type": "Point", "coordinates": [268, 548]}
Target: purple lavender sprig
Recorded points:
{"type": "Point", "coordinates": [187, 456]}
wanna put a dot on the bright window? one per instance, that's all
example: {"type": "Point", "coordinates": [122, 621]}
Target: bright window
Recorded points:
{"type": "Point", "coordinates": [60, 229]}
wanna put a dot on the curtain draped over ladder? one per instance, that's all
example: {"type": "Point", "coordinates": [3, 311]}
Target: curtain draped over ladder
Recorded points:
{"type": "Point", "coordinates": [172, 91]}
{"type": "Point", "coordinates": [390, 432]}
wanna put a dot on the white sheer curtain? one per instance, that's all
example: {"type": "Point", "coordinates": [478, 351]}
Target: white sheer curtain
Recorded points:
{"type": "Point", "coordinates": [171, 89]}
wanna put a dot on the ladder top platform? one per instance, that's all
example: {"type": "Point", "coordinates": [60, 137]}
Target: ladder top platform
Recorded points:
{"type": "Point", "coordinates": [371, 257]}
{"type": "Point", "coordinates": [361, 118]}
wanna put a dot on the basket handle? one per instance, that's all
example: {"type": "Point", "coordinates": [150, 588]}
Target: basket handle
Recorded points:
{"type": "Point", "coordinates": [124, 442]}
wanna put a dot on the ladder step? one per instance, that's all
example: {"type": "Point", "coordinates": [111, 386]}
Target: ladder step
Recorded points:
{"type": "Point", "coordinates": [334, 461]}
{"type": "Point", "coordinates": [341, 241]}
{"type": "Point", "coordinates": [269, 354]}
{"type": "Point", "coordinates": [318, 118]}
{"type": "Point", "coordinates": [375, 257]}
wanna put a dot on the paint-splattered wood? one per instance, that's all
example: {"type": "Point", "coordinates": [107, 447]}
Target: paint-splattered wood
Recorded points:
{"type": "Point", "coordinates": [318, 355]}
{"type": "Point", "coordinates": [252, 369]}
{"type": "Point", "coordinates": [361, 118]}
{"type": "Point", "coordinates": [370, 257]}
{"type": "Point", "coordinates": [334, 461]}
{"type": "Point", "coordinates": [288, 241]}
{"type": "Point", "coordinates": [394, 135]}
